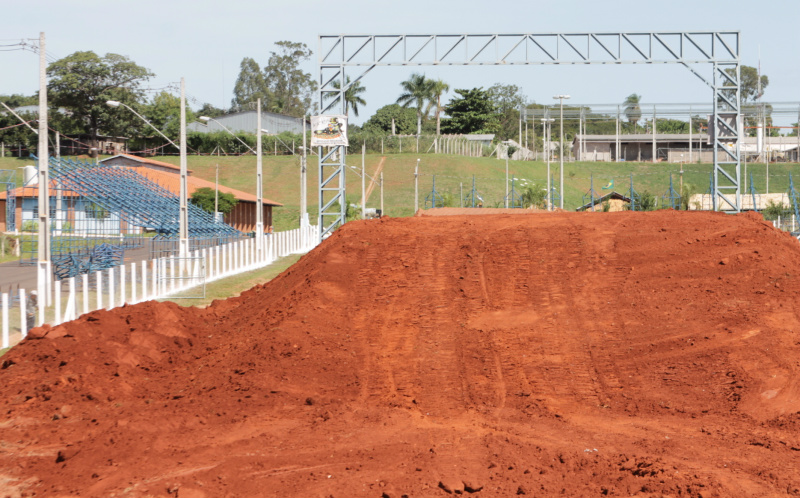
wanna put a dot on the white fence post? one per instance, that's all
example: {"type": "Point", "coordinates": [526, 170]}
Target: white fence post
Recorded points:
{"type": "Point", "coordinates": [23, 318]}
{"type": "Point", "coordinates": [57, 290]}
{"type": "Point", "coordinates": [6, 332]}
{"type": "Point", "coordinates": [133, 282]}
{"type": "Point", "coordinates": [155, 268]}
{"type": "Point", "coordinates": [216, 261]}
{"type": "Point", "coordinates": [122, 281]}
{"type": "Point", "coordinates": [111, 288]}
{"type": "Point", "coordinates": [85, 290]}
{"type": "Point", "coordinates": [144, 280]}
{"type": "Point", "coordinates": [99, 279]}
{"type": "Point", "coordinates": [172, 272]}
{"type": "Point", "coordinates": [72, 305]}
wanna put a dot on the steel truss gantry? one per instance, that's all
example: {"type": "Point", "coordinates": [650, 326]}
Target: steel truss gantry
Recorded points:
{"type": "Point", "coordinates": [340, 54]}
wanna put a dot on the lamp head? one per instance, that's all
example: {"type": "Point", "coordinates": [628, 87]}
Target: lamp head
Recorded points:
{"type": "Point", "coordinates": [264, 131]}
{"type": "Point", "coordinates": [112, 103]}
{"type": "Point", "coordinates": [204, 119]}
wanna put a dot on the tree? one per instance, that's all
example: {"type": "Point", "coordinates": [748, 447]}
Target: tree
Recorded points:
{"type": "Point", "coordinates": [748, 81]}
{"type": "Point", "coordinates": [632, 110]}
{"type": "Point", "coordinates": [210, 110]}
{"type": "Point", "coordinates": [83, 82]}
{"type": "Point", "coordinates": [472, 112]}
{"type": "Point", "coordinates": [352, 96]}
{"type": "Point", "coordinates": [508, 99]}
{"type": "Point", "coordinates": [417, 90]}
{"type": "Point", "coordinates": [438, 87]}
{"type": "Point", "coordinates": [165, 114]}
{"type": "Point", "coordinates": [204, 199]}
{"type": "Point", "coordinates": [381, 121]}
{"type": "Point", "coordinates": [290, 88]}
{"type": "Point", "coordinates": [250, 85]}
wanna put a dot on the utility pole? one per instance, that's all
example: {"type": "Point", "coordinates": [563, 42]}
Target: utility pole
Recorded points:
{"type": "Point", "coordinates": [184, 210]}
{"type": "Point", "coordinates": [561, 146]}
{"type": "Point", "coordinates": [416, 187]}
{"type": "Point", "coordinates": [506, 197]}
{"type": "Point", "coordinates": [43, 275]}
{"type": "Point", "coordinates": [381, 193]}
{"type": "Point", "coordinates": [216, 192]}
{"type": "Point", "coordinates": [363, 183]}
{"type": "Point", "coordinates": [546, 134]}
{"type": "Point", "coordinates": [303, 187]}
{"type": "Point", "coordinates": [259, 186]}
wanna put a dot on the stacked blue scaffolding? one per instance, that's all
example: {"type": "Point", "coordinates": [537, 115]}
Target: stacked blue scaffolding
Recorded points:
{"type": "Point", "coordinates": [98, 211]}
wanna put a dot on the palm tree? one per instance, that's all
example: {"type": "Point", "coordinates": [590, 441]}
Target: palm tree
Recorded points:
{"type": "Point", "coordinates": [416, 90]}
{"type": "Point", "coordinates": [352, 96]}
{"type": "Point", "coordinates": [438, 87]}
{"type": "Point", "coordinates": [632, 109]}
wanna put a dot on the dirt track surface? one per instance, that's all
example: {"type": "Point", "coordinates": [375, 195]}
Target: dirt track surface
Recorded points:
{"type": "Point", "coordinates": [619, 354]}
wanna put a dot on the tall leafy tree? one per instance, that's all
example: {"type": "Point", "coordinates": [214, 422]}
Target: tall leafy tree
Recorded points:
{"type": "Point", "coordinates": [204, 198]}
{"type": "Point", "coordinates": [352, 96]}
{"type": "Point", "coordinates": [165, 114]}
{"type": "Point", "coordinates": [83, 82]}
{"type": "Point", "coordinates": [290, 88]}
{"type": "Point", "coordinates": [250, 85]}
{"type": "Point", "coordinates": [381, 122]}
{"type": "Point", "coordinates": [417, 90]}
{"type": "Point", "coordinates": [438, 87]}
{"type": "Point", "coordinates": [508, 99]}
{"type": "Point", "coordinates": [632, 110]}
{"type": "Point", "coordinates": [472, 112]}
{"type": "Point", "coordinates": [749, 82]}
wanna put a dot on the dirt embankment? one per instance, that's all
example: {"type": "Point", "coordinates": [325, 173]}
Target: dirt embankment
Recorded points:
{"type": "Point", "coordinates": [625, 354]}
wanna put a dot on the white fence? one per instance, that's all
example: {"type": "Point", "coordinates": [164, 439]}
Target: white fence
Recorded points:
{"type": "Point", "coordinates": [153, 279]}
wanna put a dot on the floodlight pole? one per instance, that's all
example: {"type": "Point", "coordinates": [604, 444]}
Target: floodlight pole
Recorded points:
{"type": "Point", "coordinates": [184, 212]}
{"type": "Point", "coordinates": [546, 130]}
{"type": "Point", "coordinates": [259, 187]}
{"type": "Point", "coordinates": [561, 147]}
{"type": "Point", "coordinates": [43, 276]}
{"type": "Point", "coordinates": [303, 180]}
{"type": "Point", "coordinates": [416, 187]}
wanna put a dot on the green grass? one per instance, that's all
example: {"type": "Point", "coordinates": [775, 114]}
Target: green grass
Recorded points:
{"type": "Point", "coordinates": [282, 178]}
{"type": "Point", "coordinates": [234, 285]}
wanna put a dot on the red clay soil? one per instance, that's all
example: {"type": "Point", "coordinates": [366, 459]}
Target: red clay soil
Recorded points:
{"type": "Point", "coordinates": [568, 354]}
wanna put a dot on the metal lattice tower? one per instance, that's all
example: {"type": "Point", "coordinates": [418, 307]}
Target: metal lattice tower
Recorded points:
{"type": "Point", "coordinates": [555, 197]}
{"type": "Point", "coordinates": [753, 193]}
{"type": "Point", "coordinates": [590, 194]}
{"type": "Point", "coordinates": [672, 196]}
{"type": "Point", "coordinates": [472, 196]}
{"type": "Point", "coordinates": [793, 196]}
{"type": "Point", "coordinates": [342, 54]}
{"type": "Point", "coordinates": [8, 178]}
{"type": "Point", "coordinates": [634, 196]}
{"type": "Point", "coordinates": [433, 198]}
{"type": "Point", "coordinates": [513, 198]}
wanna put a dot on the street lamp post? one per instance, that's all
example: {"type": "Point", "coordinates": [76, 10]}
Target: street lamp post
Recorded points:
{"type": "Point", "coordinates": [259, 174]}
{"type": "Point", "coordinates": [183, 219]}
{"type": "Point", "coordinates": [546, 132]}
{"type": "Point", "coordinates": [561, 147]}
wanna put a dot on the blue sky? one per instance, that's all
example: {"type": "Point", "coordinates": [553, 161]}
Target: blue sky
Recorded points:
{"type": "Point", "coordinates": [204, 41]}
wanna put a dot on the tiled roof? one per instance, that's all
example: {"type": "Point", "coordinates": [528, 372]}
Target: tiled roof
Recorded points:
{"type": "Point", "coordinates": [145, 161]}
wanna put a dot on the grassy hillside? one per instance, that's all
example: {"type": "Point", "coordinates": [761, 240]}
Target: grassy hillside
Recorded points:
{"type": "Point", "coordinates": [282, 178]}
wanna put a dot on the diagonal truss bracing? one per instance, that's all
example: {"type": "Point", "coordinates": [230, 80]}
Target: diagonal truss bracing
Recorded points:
{"type": "Point", "coordinates": [346, 58]}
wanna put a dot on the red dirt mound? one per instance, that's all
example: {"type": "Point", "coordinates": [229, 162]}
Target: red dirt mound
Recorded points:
{"type": "Point", "coordinates": [619, 354]}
